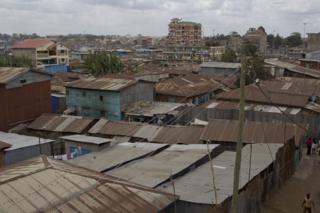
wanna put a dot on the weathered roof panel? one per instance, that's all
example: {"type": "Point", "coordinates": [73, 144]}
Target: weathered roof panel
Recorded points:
{"type": "Point", "coordinates": [116, 155]}
{"type": "Point", "coordinates": [61, 123]}
{"type": "Point", "coordinates": [157, 169]}
{"type": "Point", "coordinates": [196, 186]}
{"type": "Point", "coordinates": [86, 139]}
{"type": "Point", "coordinates": [45, 185]}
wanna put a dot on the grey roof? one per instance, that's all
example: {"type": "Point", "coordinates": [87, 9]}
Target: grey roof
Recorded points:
{"type": "Point", "coordinates": [115, 155]}
{"type": "Point", "coordinates": [9, 73]}
{"type": "Point", "coordinates": [86, 139]}
{"type": "Point", "coordinates": [45, 185]}
{"type": "Point", "coordinates": [21, 141]}
{"type": "Point", "coordinates": [225, 65]}
{"type": "Point", "coordinates": [197, 187]}
{"type": "Point", "coordinates": [148, 132]}
{"type": "Point", "coordinates": [157, 169]}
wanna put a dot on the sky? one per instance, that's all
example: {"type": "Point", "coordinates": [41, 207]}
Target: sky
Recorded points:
{"type": "Point", "coordinates": [151, 17]}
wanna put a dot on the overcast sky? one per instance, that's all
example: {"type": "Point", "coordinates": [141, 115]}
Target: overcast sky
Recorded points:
{"type": "Point", "coordinates": [151, 17]}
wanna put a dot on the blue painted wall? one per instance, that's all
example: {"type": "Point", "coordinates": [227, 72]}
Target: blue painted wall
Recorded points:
{"type": "Point", "coordinates": [54, 104]}
{"type": "Point", "coordinates": [95, 103]}
{"type": "Point", "coordinates": [56, 68]}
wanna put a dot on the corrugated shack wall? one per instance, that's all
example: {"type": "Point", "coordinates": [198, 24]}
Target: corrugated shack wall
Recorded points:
{"type": "Point", "coordinates": [16, 155]}
{"type": "Point", "coordinates": [260, 188]}
{"type": "Point", "coordinates": [231, 114]}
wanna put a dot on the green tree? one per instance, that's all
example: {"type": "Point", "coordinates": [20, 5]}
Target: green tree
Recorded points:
{"type": "Point", "coordinates": [103, 63]}
{"type": "Point", "coordinates": [15, 61]}
{"type": "Point", "coordinates": [229, 56]}
{"type": "Point", "coordinates": [253, 64]}
{"type": "Point", "coordinates": [293, 40]}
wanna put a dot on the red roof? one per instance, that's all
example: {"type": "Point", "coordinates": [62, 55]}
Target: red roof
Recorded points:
{"type": "Point", "coordinates": [33, 43]}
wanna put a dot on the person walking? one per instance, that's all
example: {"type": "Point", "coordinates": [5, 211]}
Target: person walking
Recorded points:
{"type": "Point", "coordinates": [308, 204]}
{"type": "Point", "coordinates": [309, 145]}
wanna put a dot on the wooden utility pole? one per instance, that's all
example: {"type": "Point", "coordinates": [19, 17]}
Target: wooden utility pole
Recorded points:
{"type": "Point", "coordinates": [236, 174]}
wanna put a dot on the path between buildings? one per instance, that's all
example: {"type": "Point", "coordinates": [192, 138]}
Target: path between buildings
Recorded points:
{"type": "Point", "coordinates": [289, 197]}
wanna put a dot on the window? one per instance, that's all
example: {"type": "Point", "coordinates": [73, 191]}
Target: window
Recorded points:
{"type": "Point", "coordinates": [101, 98]}
{"type": "Point", "coordinates": [23, 81]}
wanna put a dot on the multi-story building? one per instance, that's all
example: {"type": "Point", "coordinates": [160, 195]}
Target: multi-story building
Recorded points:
{"type": "Point", "coordinates": [24, 95]}
{"type": "Point", "coordinates": [184, 34]}
{"type": "Point", "coordinates": [106, 97]}
{"type": "Point", "coordinates": [42, 51]}
{"type": "Point", "coordinates": [258, 38]}
{"type": "Point", "coordinates": [313, 41]}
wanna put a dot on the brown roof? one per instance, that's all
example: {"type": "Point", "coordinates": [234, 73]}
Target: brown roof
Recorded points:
{"type": "Point", "coordinates": [4, 145]}
{"type": "Point", "coordinates": [119, 128]}
{"type": "Point", "coordinates": [46, 185]}
{"type": "Point", "coordinates": [187, 86]}
{"type": "Point", "coordinates": [253, 132]}
{"type": "Point", "coordinates": [33, 43]}
{"type": "Point", "coordinates": [61, 123]}
{"type": "Point", "coordinates": [179, 134]}
{"type": "Point", "coordinates": [112, 84]}
{"type": "Point", "coordinates": [283, 91]}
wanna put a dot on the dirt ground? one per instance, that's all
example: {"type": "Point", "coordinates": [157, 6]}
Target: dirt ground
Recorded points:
{"type": "Point", "coordinates": [288, 199]}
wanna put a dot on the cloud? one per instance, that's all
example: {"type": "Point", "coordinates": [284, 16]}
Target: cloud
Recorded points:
{"type": "Point", "coordinates": [151, 17]}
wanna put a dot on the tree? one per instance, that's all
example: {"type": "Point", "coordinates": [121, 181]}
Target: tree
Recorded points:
{"type": "Point", "coordinates": [253, 64]}
{"type": "Point", "coordinates": [229, 56]}
{"type": "Point", "coordinates": [102, 63]}
{"type": "Point", "coordinates": [15, 61]}
{"type": "Point", "coordinates": [293, 40]}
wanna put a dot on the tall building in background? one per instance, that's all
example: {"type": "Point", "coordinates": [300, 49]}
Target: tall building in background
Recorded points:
{"type": "Point", "coordinates": [42, 51]}
{"type": "Point", "coordinates": [313, 41]}
{"type": "Point", "coordinates": [184, 34]}
{"type": "Point", "coordinates": [258, 38]}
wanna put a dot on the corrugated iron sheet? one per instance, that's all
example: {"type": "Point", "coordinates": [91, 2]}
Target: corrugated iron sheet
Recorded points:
{"type": "Point", "coordinates": [253, 132]}
{"type": "Point", "coordinates": [112, 84]}
{"type": "Point", "coordinates": [9, 73]}
{"type": "Point", "coordinates": [180, 134]}
{"type": "Point", "coordinates": [187, 86]}
{"type": "Point", "coordinates": [116, 128]}
{"type": "Point", "coordinates": [61, 123]}
{"type": "Point", "coordinates": [46, 185]}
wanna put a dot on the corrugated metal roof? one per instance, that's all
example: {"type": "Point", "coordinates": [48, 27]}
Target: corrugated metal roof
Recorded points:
{"type": "Point", "coordinates": [86, 139]}
{"type": "Point", "coordinates": [116, 128]}
{"type": "Point", "coordinates": [115, 155]}
{"type": "Point", "coordinates": [111, 84]}
{"type": "Point", "coordinates": [34, 43]}
{"type": "Point", "coordinates": [148, 108]}
{"type": "Point", "coordinates": [148, 132]}
{"type": "Point", "coordinates": [61, 123]}
{"type": "Point", "coordinates": [253, 132]}
{"type": "Point", "coordinates": [297, 96]}
{"type": "Point", "coordinates": [9, 73]}
{"type": "Point", "coordinates": [4, 145]}
{"type": "Point", "coordinates": [46, 185]}
{"type": "Point", "coordinates": [179, 134]}
{"type": "Point", "coordinates": [187, 86]}
{"type": "Point", "coordinates": [216, 64]}
{"type": "Point", "coordinates": [293, 67]}
{"type": "Point", "coordinates": [157, 169]}
{"type": "Point", "coordinates": [196, 186]}
{"type": "Point", "coordinates": [20, 141]}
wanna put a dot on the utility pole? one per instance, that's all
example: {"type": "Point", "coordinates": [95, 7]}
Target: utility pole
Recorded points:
{"type": "Point", "coordinates": [236, 174]}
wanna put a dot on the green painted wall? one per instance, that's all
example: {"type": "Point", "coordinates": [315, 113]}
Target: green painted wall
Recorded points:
{"type": "Point", "coordinates": [95, 103]}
